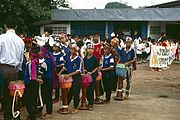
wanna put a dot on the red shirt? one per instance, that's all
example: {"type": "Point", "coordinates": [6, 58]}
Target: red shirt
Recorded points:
{"type": "Point", "coordinates": [97, 51]}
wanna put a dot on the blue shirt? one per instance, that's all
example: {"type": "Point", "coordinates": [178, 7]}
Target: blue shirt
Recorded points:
{"type": "Point", "coordinates": [66, 55]}
{"type": "Point", "coordinates": [118, 51]}
{"type": "Point", "coordinates": [58, 58]}
{"type": "Point", "coordinates": [27, 73]}
{"type": "Point", "coordinates": [108, 61]}
{"type": "Point", "coordinates": [127, 55]}
{"type": "Point", "coordinates": [46, 69]}
{"type": "Point", "coordinates": [90, 64]}
{"type": "Point", "coordinates": [76, 64]}
{"type": "Point", "coordinates": [65, 50]}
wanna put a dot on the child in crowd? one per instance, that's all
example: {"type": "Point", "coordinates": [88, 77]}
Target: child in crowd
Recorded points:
{"type": "Point", "coordinates": [143, 48]}
{"type": "Point", "coordinates": [97, 53]}
{"type": "Point", "coordinates": [115, 50]}
{"type": "Point", "coordinates": [128, 57]}
{"type": "Point", "coordinates": [46, 74]}
{"type": "Point", "coordinates": [75, 74]}
{"type": "Point", "coordinates": [67, 69]}
{"type": "Point", "coordinates": [97, 46]}
{"type": "Point", "coordinates": [65, 50]}
{"type": "Point", "coordinates": [59, 60]}
{"type": "Point", "coordinates": [30, 72]}
{"type": "Point", "coordinates": [107, 71]}
{"type": "Point", "coordinates": [139, 52]}
{"type": "Point", "coordinates": [91, 66]}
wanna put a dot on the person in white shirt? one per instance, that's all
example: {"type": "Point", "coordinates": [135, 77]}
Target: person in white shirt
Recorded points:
{"type": "Point", "coordinates": [143, 48]}
{"type": "Point", "coordinates": [46, 38]}
{"type": "Point", "coordinates": [11, 58]}
{"type": "Point", "coordinates": [139, 52]}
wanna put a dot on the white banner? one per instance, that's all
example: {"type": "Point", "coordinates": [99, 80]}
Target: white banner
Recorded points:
{"type": "Point", "coordinates": [161, 56]}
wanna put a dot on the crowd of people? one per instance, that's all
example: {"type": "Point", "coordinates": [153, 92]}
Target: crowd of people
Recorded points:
{"type": "Point", "coordinates": [41, 60]}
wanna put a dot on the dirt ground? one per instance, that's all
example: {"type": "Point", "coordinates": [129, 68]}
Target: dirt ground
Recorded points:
{"type": "Point", "coordinates": [154, 96]}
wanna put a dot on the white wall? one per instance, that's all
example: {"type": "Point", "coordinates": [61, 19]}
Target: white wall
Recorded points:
{"type": "Point", "coordinates": [162, 26]}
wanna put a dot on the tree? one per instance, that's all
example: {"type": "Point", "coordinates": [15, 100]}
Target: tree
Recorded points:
{"type": "Point", "coordinates": [112, 5]}
{"type": "Point", "coordinates": [59, 4]}
{"type": "Point", "coordinates": [28, 12]}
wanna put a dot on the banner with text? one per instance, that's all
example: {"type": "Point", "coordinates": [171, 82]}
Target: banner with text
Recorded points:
{"type": "Point", "coordinates": [161, 56]}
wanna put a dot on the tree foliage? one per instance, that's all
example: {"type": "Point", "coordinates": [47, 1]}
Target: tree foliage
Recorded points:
{"type": "Point", "coordinates": [27, 12]}
{"type": "Point", "coordinates": [113, 5]}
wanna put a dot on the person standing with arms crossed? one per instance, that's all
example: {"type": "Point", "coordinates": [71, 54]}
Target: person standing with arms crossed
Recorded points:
{"type": "Point", "coordinates": [11, 58]}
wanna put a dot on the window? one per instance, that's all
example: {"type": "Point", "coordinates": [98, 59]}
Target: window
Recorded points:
{"type": "Point", "coordinates": [58, 28]}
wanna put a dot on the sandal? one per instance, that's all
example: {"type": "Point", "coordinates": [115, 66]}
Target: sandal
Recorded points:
{"type": "Point", "coordinates": [63, 110]}
{"type": "Point", "coordinates": [74, 110]}
{"type": "Point", "coordinates": [55, 100]}
{"type": "Point", "coordinates": [98, 101]}
{"type": "Point", "coordinates": [106, 101]}
{"type": "Point", "coordinates": [90, 107]}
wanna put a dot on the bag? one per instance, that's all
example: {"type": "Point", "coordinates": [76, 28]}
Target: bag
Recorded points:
{"type": "Point", "coordinates": [121, 70]}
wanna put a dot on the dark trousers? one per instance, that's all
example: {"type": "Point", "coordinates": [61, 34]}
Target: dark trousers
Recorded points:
{"type": "Point", "coordinates": [30, 99]}
{"type": "Point", "coordinates": [107, 83]}
{"type": "Point", "coordinates": [57, 93]}
{"type": "Point", "coordinates": [101, 90]}
{"type": "Point", "coordinates": [9, 74]}
{"type": "Point", "coordinates": [114, 82]}
{"type": "Point", "coordinates": [46, 91]}
{"type": "Point", "coordinates": [144, 55]}
{"type": "Point", "coordinates": [75, 90]}
{"type": "Point", "coordinates": [90, 91]}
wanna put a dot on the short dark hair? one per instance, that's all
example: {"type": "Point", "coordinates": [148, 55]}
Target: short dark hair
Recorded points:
{"type": "Point", "coordinates": [10, 22]}
{"type": "Point", "coordinates": [163, 33]}
{"type": "Point", "coordinates": [49, 30]}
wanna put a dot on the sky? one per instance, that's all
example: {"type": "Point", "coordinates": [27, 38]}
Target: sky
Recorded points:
{"type": "Point", "coordinates": [100, 4]}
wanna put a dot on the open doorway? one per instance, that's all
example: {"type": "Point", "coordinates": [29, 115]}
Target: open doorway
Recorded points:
{"type": "Point", "coordinates": [173, 31]}
{"type": "Point", "coordinates": [127, 28]}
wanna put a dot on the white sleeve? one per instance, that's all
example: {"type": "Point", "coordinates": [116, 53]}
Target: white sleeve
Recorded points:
{"type": "Point", "coordinates": [51, 41]}
{"type": "Point", "coordinates": [112, 61]}
{"type": "Point", "coordinates": [19, 67]}
{"type": "Point", "coordinates": [44, 65]}
{"type": "Point", "coordinates": [61, 58]}
{"type": "Point", "coordinates": [41, 38]}
{"type": "Point", "coordinates": [80, 67]}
